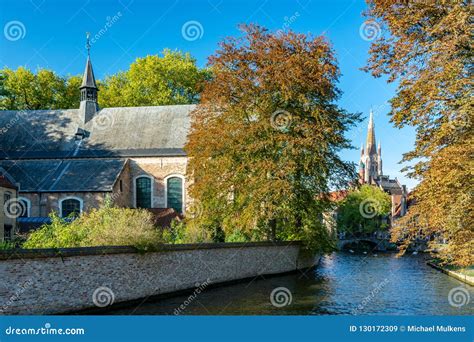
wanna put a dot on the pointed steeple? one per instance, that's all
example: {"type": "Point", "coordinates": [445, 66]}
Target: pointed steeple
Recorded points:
{"type": "Point", "coordinates": [88, 80]}
{"type": "Point", "coordinates": [370, 146]}
{"type": "Point", "coordinates": [89, 105]}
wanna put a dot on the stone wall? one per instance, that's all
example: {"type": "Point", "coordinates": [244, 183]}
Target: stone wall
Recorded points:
{"type": "Point", "coordinates": [49, 282]}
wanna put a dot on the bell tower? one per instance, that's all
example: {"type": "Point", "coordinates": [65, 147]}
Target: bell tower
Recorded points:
{"type": "Point", "coordinates": [370, 165]}
{"type": "Point", "coordinates": [89, 105]}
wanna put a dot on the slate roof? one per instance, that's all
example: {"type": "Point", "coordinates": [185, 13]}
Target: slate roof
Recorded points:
{"type": "Point", "coordinates": [5, 183]}
{"type": "Point", "coordinates": [390, 185]}
{"type": "Point", "coordinates": [113, 132]}
{"type": "Point", "coordinates": [70, 175]}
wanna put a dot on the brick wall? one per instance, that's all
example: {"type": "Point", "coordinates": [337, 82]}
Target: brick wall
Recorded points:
{"type": "Point", "coordinates": [159, 169]}
{"type": "Point", "coordinates": [123, 192]}
{"type": "Point", "coordinates": [41, 282]}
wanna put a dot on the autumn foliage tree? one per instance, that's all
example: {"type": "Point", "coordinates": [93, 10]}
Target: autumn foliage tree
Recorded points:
{"type": "Point", "coordinates": [426, 47]}
{"type": "Point", "coordinates": [265, 138]}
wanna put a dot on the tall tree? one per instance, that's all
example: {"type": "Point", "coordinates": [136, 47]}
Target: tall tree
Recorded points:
{"type": "Point", "coordinates": [264, 141]}
{"type": "Point", "coordinates": [364, 210]}
{"type": "Point", "coordinates": [426, 47]}
{"type": "Point", "coordinates": [172, 78]}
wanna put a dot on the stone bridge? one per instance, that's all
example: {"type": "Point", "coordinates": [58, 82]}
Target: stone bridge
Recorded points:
{"type": "Point", "coordinates": [376, 243]}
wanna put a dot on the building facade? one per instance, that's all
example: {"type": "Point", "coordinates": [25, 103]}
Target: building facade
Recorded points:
{"type": "Point", "coordinates": [71, 160]}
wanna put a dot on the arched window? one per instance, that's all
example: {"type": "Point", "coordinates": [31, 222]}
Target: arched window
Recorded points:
{"type": "Point", "coordinates": [70, 206]}
{"type": "Point", "coordinates": [175, 193]}
{"type": "Point", "coordinates": [25, 206]}
{"type": "Point", "coordinates": [143, 193]}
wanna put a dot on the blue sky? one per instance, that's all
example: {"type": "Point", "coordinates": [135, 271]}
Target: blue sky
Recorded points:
{"type": "Point", "coordinates": [51, 34]}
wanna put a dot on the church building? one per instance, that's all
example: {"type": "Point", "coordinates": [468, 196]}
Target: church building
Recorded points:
{"type": "Point", "coordinates": [370, 172]}
{"type": "Point", "coordinates": [71, 160]}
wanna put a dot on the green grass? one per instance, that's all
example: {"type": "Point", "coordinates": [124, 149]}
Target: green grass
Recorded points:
{"type": "Point", "coordinates": [469, 271]}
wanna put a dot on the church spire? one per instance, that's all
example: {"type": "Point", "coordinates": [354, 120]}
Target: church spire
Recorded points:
{"type": "Point", "coordinates": [88, 80]}
{"type": "Point", "coordinates": [89, 105]}
{"type": "Point", "coordinates": [370, 148]}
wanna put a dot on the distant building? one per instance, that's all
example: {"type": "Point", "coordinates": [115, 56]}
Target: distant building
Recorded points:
{"type": "Point", "coordinates": [9, 205]}
{"type": "Point", "coordinates": [70, 160]}
{"type": "Point", "coordinates": [370, 172]}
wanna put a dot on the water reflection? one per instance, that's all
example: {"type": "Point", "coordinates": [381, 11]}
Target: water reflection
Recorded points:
{"type": "Point", "coordinates": [343, 284]}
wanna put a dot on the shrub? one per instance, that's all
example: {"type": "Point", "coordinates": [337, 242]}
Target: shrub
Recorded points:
{"type": "Point", "coordinates": [107, 226]}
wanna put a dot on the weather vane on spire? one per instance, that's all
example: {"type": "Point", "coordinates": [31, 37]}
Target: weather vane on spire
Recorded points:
{"type": "Point", "coordinates": [88, 44]}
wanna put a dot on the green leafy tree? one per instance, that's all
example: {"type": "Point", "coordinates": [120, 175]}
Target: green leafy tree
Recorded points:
{"type": "Point", "coordinates": [172, 78]}
{"type": "Point", "coordinates": [364, 210]}
{"type": "Point", "coordinates": [264, 141]}
{"type": "Point", "coordinates": [22, 89]}
{"type": "Point", "coordinates": [426, 47]}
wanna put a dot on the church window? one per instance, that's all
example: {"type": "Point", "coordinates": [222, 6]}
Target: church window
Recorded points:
{"type": "Point", "coordinates": [70, 207]}
{"type": "Point", "coordinates": [174, 193]}
{"type": "Point", "coordinates": [143, 192]}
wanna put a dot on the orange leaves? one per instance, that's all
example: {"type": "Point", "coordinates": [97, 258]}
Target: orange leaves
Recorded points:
{"type": "Point", "coordinates": [264, 140]}
{"type": "Point", "coordinates": [426, 48]}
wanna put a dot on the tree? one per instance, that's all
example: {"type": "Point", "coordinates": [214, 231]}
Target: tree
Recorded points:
{"type": "Point", "coordinates": [364, 210]}
{"type": "Point", "coordinates": [155, 80]}
{"type": "Point", "coordinates": [24, 90]}
{"type": "Point", "coordinates": [426, 47]}
{"type": "Point", "coordinates": [264, 140]}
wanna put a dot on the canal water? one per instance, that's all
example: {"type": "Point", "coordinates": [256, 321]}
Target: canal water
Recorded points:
{"type": "Point", "coordinates": [343, 284]}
